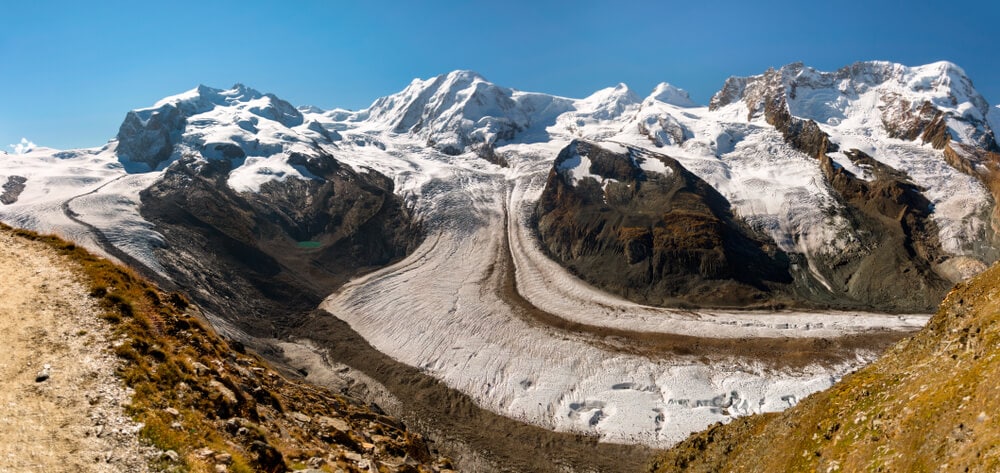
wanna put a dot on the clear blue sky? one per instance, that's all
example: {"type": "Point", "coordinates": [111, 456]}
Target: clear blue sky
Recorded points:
{"type": "Point", "coordinates": [72, 69]}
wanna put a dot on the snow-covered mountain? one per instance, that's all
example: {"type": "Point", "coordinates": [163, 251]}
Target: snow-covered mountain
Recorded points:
{"type": "Point", "coordinates": [260, 133]}
{"type": "Point", "coordinates": [889, 99]}
{"type": "Point", "coordinates": [455, 111]}
{"type": "Point", "coordinates": [867, 188]}
{"type": "Point", "coordinates": [902, 116]}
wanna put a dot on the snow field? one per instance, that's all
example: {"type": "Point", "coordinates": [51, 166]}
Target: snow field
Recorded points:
{"type": "Point", "coordinates": [442, 310]}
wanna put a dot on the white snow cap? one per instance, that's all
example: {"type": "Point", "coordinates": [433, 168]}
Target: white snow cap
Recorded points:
{"type": "Point", "coordinates": [869, 95]}
{"type": "Point", "coordinates": [23, 147]}
{"type": "Point", "coordinates": [608, 103]}
{"type": "Point", "coordinates": [666, 93]}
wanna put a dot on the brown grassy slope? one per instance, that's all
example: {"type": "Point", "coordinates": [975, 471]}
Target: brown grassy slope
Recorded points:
{"type": "Point", "coordinates": [213, 403]}
{"type": "Point", "coordinates": [932, 403]}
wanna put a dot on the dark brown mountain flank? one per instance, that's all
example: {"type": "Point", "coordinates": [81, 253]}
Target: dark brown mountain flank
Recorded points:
{"type": "Point", "coordinates": [671, 239]}
{"type": "Point", "coordinates": [252, 256]}
{"type": "Point", "coordinates": [894, 220]}
{"type": "Point", "coordinates": [898, 243]}
{"type": "Point", "coordinates": [661, 238]}
{"type": "Point", "coordinates": [929, 404]}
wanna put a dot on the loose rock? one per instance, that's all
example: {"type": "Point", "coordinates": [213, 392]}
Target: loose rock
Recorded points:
{"type": "Point", "coordinates": [44, 374]}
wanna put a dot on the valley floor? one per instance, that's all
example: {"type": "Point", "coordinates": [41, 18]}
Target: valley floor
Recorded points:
{"type": "Point", "coordinates": [480, 307]}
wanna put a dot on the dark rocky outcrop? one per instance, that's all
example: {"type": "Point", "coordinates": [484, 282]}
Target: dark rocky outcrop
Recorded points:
{"type": "Point", "coordinates": [255, 258]}
{"type": "Point", "coordinates": [656, 238]}
{"type": "Point", "coordinates": [12, 189]}
{"type": "Point", "coordinates": [904, 121]}
{"type": "Point", "coordinates": [898, 247]}
{"type": "Point", "coordinates": [150, 139]}
{"type": "Point", "coordinates": [897, 243]}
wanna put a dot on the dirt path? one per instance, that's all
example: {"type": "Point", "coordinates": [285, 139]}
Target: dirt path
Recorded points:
{"type": "Point", "coordinates": [73, 421]}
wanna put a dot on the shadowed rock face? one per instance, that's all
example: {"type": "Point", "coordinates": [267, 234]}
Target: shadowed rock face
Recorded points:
{"type": "Point", "coordinates": [893, 217]}
{"type": "Point", "coordinates": [671, 239]}
{"type": "Point", "coordinates": [151, 140]}
{"type": "Point", "coordinates": [893, 265]}
{"type": "Point", "coordinates": [662, 238]}
{"type": "Point", "coordinates": [256, 257]}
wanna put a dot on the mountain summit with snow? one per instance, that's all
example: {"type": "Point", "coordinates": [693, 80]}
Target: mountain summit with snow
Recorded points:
{"type": "Point", "coordinates": [444, 224]}
{"type": "Point", "coordinates": [812, 162]}
{"type": "Point", "coordinates": [458, 110]}
{"type": "Point", "coordinates": [899, 101]}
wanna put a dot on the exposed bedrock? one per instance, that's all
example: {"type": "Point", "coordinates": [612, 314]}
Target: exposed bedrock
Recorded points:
{"type": "Point", "coordinates": [661, 238]}
{"type": "Point", "coordinates": [671, 239]}
{"type": "Point", "coordinates": [255, 257]}
{"type": "Point", "coordinates": [12, 189]}
{"type": "Point", "coordinates": [896, 267]}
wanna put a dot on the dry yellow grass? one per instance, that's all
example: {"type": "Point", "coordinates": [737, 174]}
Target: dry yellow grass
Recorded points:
{"type": "Point", "coordinates": [931, 403]}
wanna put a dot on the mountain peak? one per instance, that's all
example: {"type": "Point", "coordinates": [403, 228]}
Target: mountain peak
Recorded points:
{"type": "Point", "coordinates": [149, 135]}
{"type": "Point", "coordinates": [946, 67]}
{"type": "Point", "coordinates": [906, 99]}
{"type": "Point", "coordinates": [451, 111]}
{"type": "Point", "coordinates": [667, 93]}
{"type": "Point", "coordinates": [466, 75]}
{"type": "Point", "coordinates": [609, 102]}
{"type": "Point", "coordinates": [458, 78]}
{"type": "Point", "coordinates": [203, 97]}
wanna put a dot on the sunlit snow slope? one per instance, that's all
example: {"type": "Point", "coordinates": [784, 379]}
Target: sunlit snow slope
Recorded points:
{"type": "Point", "coordinates": [481, 306]}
